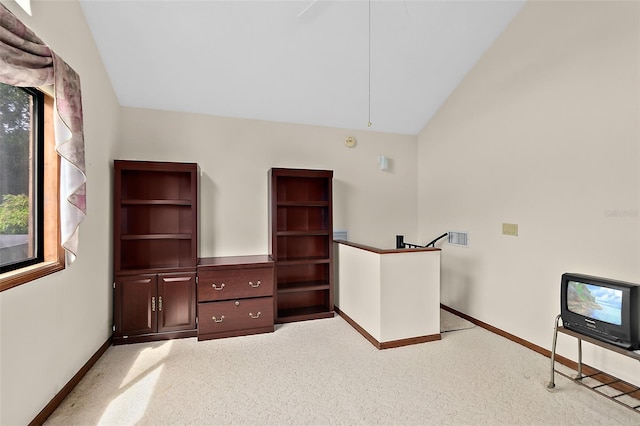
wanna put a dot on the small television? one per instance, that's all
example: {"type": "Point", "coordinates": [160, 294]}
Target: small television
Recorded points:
{"type": "Point", "coordinates": [601, 308]}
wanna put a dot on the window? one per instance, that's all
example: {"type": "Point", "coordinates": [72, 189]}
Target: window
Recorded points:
{"type": "Point", "coordinates": [29, 240]}
{"type": "Point", "coordinates": [21, 178]}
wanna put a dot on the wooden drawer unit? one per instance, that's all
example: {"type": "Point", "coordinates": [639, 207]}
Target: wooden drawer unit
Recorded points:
{"type": "Point", "coordinates": [235, 317]}
{"type": "Point", "coordinates": [235, 296]}
{"type": "Point", "coordinates": [235, 283]}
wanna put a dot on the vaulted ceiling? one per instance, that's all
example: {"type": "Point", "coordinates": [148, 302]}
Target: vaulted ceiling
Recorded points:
{"type": "Point", "coordinates": [326, 63]}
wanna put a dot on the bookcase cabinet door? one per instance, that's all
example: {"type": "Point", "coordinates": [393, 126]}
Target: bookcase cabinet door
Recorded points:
{"type": "Point", "coordinates": [135, 305]}
{"type": "Point", "coordinates": [176, 302]}
{"type": "Point", "coordinates": [150, 304]}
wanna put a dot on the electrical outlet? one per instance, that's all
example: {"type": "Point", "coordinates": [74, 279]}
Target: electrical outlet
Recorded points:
{"type": "Point", "coordinates": [510, 229]}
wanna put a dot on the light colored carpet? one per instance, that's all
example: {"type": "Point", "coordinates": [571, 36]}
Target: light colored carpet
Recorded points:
{"type": "Point", "coordinates": [451, 322]}
{"type": "Point", "coordinates": [324, 373]}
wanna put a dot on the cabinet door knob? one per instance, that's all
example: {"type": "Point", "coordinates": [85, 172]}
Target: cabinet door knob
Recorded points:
{"type": "Point", "coordinates": [217, 288]}
{"type": "Point", "coordinates": [153, 304]}
{"type": "Point", "coordinates": [257, 284]}
{"type": "Point", "coordinates": [254, 316]}
{"type": "Point", "coordinates": [218, 320]}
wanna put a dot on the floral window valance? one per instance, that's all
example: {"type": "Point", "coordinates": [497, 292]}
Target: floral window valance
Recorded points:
{"type": "Point", "coordinates": [26, 61]}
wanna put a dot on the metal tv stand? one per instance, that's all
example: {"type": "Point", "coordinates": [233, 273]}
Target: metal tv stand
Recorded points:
{"type": "Point", "coordinates": [624, 387]}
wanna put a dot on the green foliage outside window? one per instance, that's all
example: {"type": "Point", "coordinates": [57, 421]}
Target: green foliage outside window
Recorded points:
{"type": "Point", "coordinates": [15, 125]}
{"type": "Point", "coordinates": [14, 214]}
{"type": "Point", "coordinates": [15, 128]}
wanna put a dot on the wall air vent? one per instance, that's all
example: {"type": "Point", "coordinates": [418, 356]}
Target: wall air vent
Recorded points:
{"type": "Point", "coordinates": [458, 238]}
{"type": "Point", "coordinates": [340, 235]}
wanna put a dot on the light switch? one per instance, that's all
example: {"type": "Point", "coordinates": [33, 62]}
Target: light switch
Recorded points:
{"type": "Point", "coordinates": [510, 229]}
{"type": "Point", "coordinates": [383, 162]}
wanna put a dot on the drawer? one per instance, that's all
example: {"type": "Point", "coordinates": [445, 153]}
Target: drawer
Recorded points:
{"type": "Point", "coordinates": [235, 284]}
{"type": "Point", "coordinates": [235, 315]}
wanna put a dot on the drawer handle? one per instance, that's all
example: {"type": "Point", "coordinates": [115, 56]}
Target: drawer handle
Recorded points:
{"type": "Point", "coordinates": [217, 288]}
{"type": "Point", "coordinates": [256, 285]}
{"type": "Point", "coordinates": [218, 320]}
{"type": "Point", "coordinates": [254, 316]}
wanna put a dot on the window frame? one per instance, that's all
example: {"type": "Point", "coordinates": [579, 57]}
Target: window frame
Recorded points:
{"type": "Point", "coordinates": [53, 259]}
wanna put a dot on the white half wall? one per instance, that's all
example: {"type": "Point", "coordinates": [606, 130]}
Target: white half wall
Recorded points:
{"type": "Point", "coordinates": [409, 295]}
{"type": "Point", "coordinates": [393, 295]}
{"type": "Point", "coordinates": [357, 290]}
{"type": "Point", "coordinates": [543, 133]}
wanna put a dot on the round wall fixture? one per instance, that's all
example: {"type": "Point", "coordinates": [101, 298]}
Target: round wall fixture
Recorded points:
{"type": "Point", "coordinates": [350, 141]}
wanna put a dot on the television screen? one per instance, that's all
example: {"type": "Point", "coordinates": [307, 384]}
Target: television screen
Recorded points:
{"type": "Point", "coordinates": [596, 302]}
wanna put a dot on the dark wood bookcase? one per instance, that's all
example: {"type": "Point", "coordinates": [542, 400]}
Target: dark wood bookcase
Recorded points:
{"type": "Point", "coordinates": [155, 250]}
{"type": "Point", "coordinates": [300, 242]}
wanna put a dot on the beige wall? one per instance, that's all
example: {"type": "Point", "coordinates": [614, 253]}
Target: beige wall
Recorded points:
{"type": "Point", "coordinates": [235, 154]}
{"type": "Point", "coordinates": [544, 133]}
{"type": "Point", "coordinates": [50, 327]}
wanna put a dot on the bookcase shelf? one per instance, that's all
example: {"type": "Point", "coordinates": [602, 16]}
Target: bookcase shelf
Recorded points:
{"type": "Point", "coordinates": [303, 203]}
{"type": "Point", "coordinates": [303, 286]}
{"type": "Point", "coordinates": [302, 233]}
{"type": "Point", "coordinates": [156, 202]}
{"type": "Point", "coordinates": [156, 237]}
{"type": "Point", "coordinates": [300, 242]}
{"type": "Point", "coordinates": [305, 313]}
